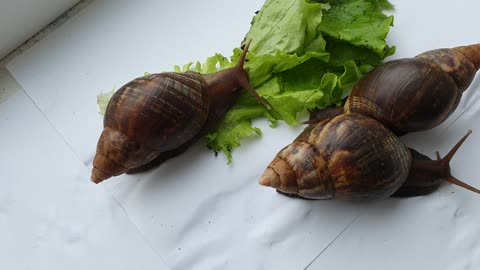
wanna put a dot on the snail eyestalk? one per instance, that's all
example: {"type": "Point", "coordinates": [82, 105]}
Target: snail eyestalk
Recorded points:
{"type": "Point", "coordinates": [426, 175]}
{"type": "Point", "coordinates": [243, 80]}
{"type": "Point", "coordinates": [222, 83]}
{"type": "Point", "coordinates": [459, 183]}
{"type": "Point", "coordinates": [446, 162]}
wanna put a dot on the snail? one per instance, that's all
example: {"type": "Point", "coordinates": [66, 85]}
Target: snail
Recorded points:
{"type": "Point", "coordinates": [416, 94]}
{"type": "Point", "coordinates": [354, 157]}
{"type": "Point", "coordinates": [156, 117]}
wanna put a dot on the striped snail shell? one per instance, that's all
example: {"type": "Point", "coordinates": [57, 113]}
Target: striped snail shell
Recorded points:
{"type": "Point", "coordinates": [354, 157]}
{"type": "Point", "coordinates": [349, 157]}
{"type": "Point", "coordinates": [158, 116]}
{"type": "Point", "coordinates": [147, 116]}
{"type": "Point", "coordinates": [416, 94]}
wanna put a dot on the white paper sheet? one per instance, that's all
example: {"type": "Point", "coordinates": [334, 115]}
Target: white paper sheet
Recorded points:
{"type": "Point", "coordinates": [173, 205]}
{"type": "Point", "coordinates": [50, 218]}
{"type": "Point", "coordinates": [195, 210]}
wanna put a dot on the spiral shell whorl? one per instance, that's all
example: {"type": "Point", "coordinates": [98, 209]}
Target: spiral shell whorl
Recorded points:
{"type": "Point", "coordinates": [349, 157]}
{"type": "Point", "coordinates": [163, 110]}
{"type": "Point", "coordinates": [148, 116]}
{"type": "Point", "coordinates": [461, 63]}
{"type": "Point", "coordinates": [471, 52]}
{"type": "Point", "coordinates": [116, 153]}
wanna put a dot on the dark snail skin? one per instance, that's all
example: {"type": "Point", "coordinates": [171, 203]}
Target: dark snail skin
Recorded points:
{"type": "Point", "coordinates": [416, 94]}
{"type": "Point", "coordinates": [317, 115]}
{"type": "Point", "coordinates": [427, 175]}
{"type": "Point", "coordinates": [159, 116]}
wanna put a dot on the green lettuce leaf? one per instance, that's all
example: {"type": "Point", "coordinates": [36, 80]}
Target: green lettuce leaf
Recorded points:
{"type": "Point", "coordinates": [304, 55]}
{"type": "Point", "coordinates": [230, 137]}
{"type": "Point", "coordinates": [360, 23]}
{"type": "Point", "coordinates": [288, 26]}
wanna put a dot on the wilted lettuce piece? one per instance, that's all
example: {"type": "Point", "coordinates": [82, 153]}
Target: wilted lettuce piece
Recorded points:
{"type": "Point", "coordinates": [102, 101]}
{"type": "Point", "coordinates": [230, 137]}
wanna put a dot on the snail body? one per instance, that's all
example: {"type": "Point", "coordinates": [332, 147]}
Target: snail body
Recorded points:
{"type": "Point", "coordinates": [427, 175]}
{"type": "Point", "coordinates": [354, 157]}
{"type": "Point", "coordinates": [155, 117]}
{"type": "Point", "coordinates": [416, 94]}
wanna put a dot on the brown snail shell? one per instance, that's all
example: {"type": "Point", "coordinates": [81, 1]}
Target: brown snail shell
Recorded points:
{"type": "Point", "coordinates": [416, 94]}
{"type": "Point", "coordinates": [138, 112]}
{"type": "Point", "coordinates": [350, 157]}
{"type": "Point", "coordinates": [156, 117]}
{"type": "Point", "coordinates": [423, 177]}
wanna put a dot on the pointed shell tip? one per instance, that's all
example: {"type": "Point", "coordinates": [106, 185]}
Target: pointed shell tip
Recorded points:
{"type": "Point", "coordinates": [267, 177]}
{"type": "Point", "coordinates": [95, 179]}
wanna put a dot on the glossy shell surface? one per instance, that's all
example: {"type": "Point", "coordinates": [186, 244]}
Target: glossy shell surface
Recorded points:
{"type": "Point", "coordinates": [405, 95]}
{"type": "Point", "coordinates": [350, 157]}
{"type": "Point", "coordinates": [148, 116]}
{"type": "Point", "coordinates": [163, 110]}
{"type": "Point", "coordinates": [416, 94]}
